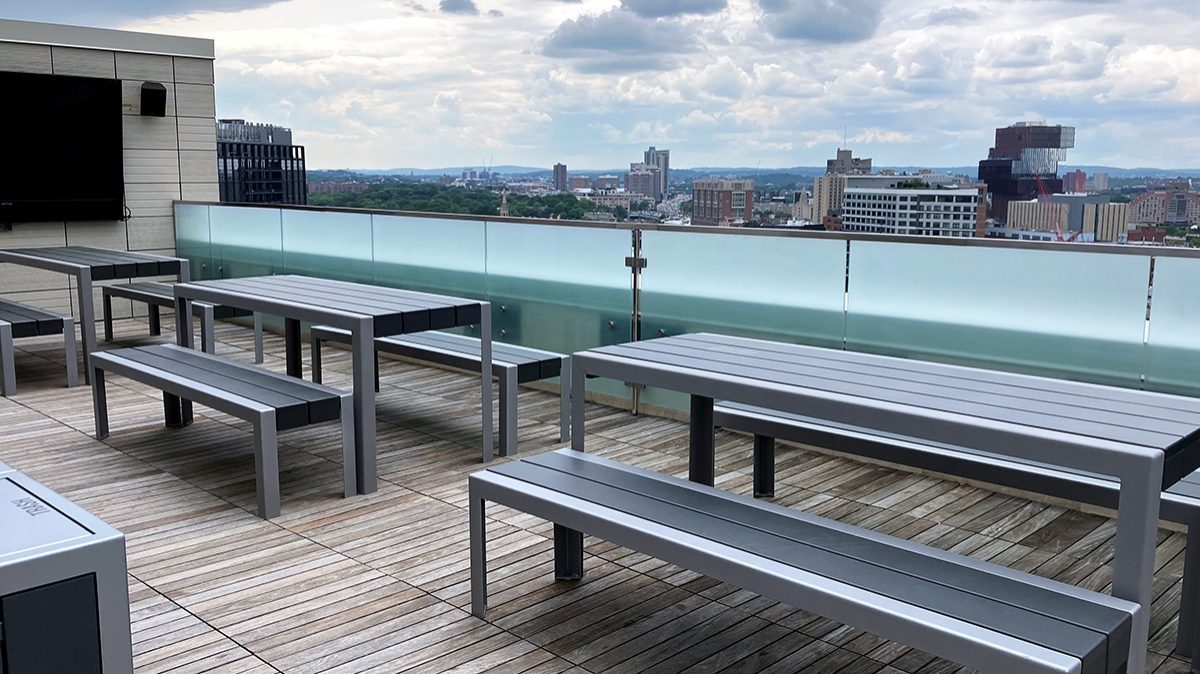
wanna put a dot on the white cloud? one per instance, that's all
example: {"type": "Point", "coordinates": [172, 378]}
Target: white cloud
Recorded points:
{"type": "Point", "coordinates": [381, 83]}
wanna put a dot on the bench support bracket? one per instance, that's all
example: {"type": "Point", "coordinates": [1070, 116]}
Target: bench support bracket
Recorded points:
{"type": "Point", "coordinates": [702, 457]}
{"type": "Point", "coordinates": [568, 553]}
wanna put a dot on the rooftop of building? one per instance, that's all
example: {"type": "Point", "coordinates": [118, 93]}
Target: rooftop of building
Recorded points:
{"type": "Point", "coordinates": [380, 582]}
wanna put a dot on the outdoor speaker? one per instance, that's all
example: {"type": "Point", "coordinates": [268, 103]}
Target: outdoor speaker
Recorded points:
{"type": "Point", "coordinates": [154, 100]}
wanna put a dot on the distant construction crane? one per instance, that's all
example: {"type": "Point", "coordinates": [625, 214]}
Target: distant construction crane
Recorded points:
{"type": "Point", "coordinates": [1050, 211]}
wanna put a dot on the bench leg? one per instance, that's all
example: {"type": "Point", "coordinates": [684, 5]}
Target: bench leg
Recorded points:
{"type": "Point", "coordinates": [106, 308]}
{"type": "Point", "coordinates": [349, 463]}
{"type": "Point", "coordinates": [154, 315]}
{"type": "Point", "coordinates": [258, 338]}
{"type": "Point", "coordinates": [478, 557]}
{"type": "Point", "coordinates": [568, 553]}
{"type": "Point", "coordinates": [564, 403]}
{"type": "Point", "coordinates": [183, 337]}
{"type": "Point", "coordinates": [266, 465]}
{"type": "Point", "coordinates": [764, 466]}
{"type": "Point", "coordinates": [99, 404]}
{"type": "Point", "coordinates": [578, 411]}
{"type": "Point", "coordinates": [174, 412]}
{"type": "Point", "coordinates": [291, 347]}
{"type": "Point", "coordinates": [69, 352]}
{"type": "Point", "coordinates": [702, 454]}
{"type": "Point", "coordinates": [8, 374]}
{"type": "Point", "coordinates": [1189, 622]}
{"type": "Point", "coordinates": [208, 340]}
{"type": "Point", "coordinates": [508, 411]}
{"type": "Point", "coordinates": [314, 350]}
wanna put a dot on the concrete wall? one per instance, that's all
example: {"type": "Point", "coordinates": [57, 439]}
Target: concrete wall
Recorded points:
{"type": "Point", "coordinates": [165, 158]}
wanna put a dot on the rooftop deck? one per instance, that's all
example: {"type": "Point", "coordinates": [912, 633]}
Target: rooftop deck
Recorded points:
{"type": "Point", "coordinates": [379, 583]}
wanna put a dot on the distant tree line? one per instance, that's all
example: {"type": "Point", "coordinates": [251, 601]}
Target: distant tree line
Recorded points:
{"type": "Point", "coordinates": [435, 198]}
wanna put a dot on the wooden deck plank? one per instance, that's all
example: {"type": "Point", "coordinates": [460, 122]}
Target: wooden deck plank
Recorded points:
{"type": "Point", "coordinates": [381, 582]}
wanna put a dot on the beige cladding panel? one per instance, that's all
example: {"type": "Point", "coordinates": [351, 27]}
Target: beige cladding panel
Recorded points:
{"type": "Point", "coordinates": [25, 58]}
{"type": "Point", "coordinates": [83, 62]}
{"type": "Point", "coordinates": [151, 166]}
{"type": "Point", "coordinates": [197, 166]}
{"type": "Point", "coordinates": [149, 133]}
{"type": "Point", "coordinates": [193, 70]}
{"type": "Point", "coordinates": [105, 234]}
{"type": "Point", "coordinates": [145, 67]}
{"type": "Point", "coordinates": [195, 100]}
{"type": "Point", "coordinates": [153, 232]}
{"type": "Point", "coordinates": [197, 133]}
{"type": "Point", "coordinates": [200, 192]}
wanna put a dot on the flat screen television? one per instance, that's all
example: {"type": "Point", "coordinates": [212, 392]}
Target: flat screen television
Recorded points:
{"type": "Point", "coordinates": [60, 148]}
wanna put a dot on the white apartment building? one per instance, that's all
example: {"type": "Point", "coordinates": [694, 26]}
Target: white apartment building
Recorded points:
{"type": "Point", "coordinates": [917, 211]}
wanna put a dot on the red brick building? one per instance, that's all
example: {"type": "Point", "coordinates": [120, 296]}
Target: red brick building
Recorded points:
{"type": "Point", "coordinates": [722, 203]}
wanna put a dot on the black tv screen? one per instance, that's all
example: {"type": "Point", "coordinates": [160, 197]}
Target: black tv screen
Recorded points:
{"type": "Point", "coordinates": [61, 148]}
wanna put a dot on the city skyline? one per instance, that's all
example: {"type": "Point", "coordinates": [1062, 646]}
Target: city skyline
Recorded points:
{"type": "Point", "coordinates": [377, 85]}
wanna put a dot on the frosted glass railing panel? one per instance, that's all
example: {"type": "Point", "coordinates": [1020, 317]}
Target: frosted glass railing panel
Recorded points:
{"type": "Point", "coordinates": [192, 239]}
{"type": "Point", "coordinates": [787, 289]}
{"type": "Point", "coordinates": [327, 244]}
{"type": "Point", "coordinates": [560, 288]}
{"type": "Point", "coordinates": [245, 241]}
{"type": "Point", "coordinates": [1057, 313]}
{"type": "Point", "coordinates": [431, 254]}
{"type": "Point", "coordinates": [1173, 362]}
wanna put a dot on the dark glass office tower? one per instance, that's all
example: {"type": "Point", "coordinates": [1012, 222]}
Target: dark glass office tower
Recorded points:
{"type": "Point", "coordinates": [257, 163]}
{"type": "Point", "coordinates": [1024, 163]}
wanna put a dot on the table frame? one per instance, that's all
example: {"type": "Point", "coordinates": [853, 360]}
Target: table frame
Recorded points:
{"type": "Point", "coordinates": [362, 348]}
{"type": "Point", "coordinates": [1139, 469]}
{"type": "Point", "coordinates": [83, 286]}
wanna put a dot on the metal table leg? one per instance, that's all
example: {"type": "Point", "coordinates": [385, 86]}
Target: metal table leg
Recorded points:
{"type": "Point", "coordinates": [702, 453]}
{"type": "Point", "coordinates": [362, 349]}
{"type": "Point", "coordinates": [291, 337]}
{"type": "Point", "coordinates": [87, 319]}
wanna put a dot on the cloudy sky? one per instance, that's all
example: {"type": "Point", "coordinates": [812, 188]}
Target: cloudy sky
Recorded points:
{"type": "Point", "coordinates": [591, 83]}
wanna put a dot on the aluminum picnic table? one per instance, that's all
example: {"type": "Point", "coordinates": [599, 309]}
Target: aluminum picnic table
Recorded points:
{"type": "Point", "coordinates": [1025, 417]}
{"type": "Point", "coordinates": [366, 311]}
{"type": "Point", "coordinates": [89, 265]}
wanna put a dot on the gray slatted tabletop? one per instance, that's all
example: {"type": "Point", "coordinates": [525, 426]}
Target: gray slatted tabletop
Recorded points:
{"type": "Point", "coordinates": [95, 264]}
{"type": "Point", "coordinates": [367, 312]}
{"type": "Point", "coordinates": [1070, 424]}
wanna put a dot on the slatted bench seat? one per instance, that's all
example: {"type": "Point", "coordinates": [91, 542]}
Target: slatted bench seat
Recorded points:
{"type": "Point", "coordinates": [271, 402]}
{"type": "Point", "coordinates": [157, 294]}
{"type": "Point", "coordinates": [21, 320]}
{"type": "Point", "coordinates": [981, 615]}
{"type": "Point", "coordinates": [1180, 502]}
{"type": "Point", "coordinates": [511, 365]}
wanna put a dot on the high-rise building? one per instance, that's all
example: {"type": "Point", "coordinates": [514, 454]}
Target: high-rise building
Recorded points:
{"type": "Point", "coordinates": [1177, 205]}
{"type": "Point", "coordinates": [827, 195]}
{"type": "Point", "coordinates": [923, 210]}
{"type": "Point", "coordinates": [662, 160]}
{"type": "Point", "coordinates": [560, 177]}
{"type": "Point", "coordinates": [257, 163]}
{"type": "Point", "coordinates": [1024, 163]}
{"type": "Point", "coordinates": [722, 203]}
{"type": "Point", "coordinates": [1074, 182]}
{"type": "Point", "coordinates": [847, 164]}
{"type": "Point", "coordinates": [580, 183]}
{"type": "Point", "coordinates": [1100, 182]}
{"type": "Point", "coordinates": [644, 179]}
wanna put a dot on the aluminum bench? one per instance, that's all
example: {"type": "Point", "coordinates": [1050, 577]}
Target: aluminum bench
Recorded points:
{"type": "Point", "coordinates": [21, 320]}
{"type": "Point", "coordinates": [985, 616]}
{"type": "Point", "coordinates": [271, 402]}
{"type": "Point", "coordinates": [157, 294]}
{"type": "Point", "coordinates": [1180, 502]}
{"type": "Point", "coordinates": [511, 365]}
